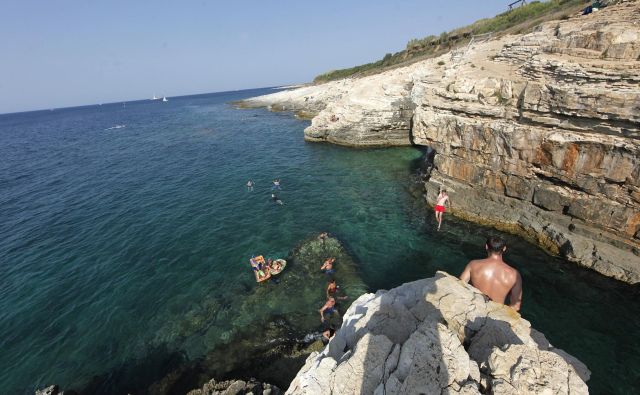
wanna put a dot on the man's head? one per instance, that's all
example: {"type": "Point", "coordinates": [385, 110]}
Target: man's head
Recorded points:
{"type": "Point", "coordinates": [496, 245]}
{"type": "Point", "coordinates": [332, 281]}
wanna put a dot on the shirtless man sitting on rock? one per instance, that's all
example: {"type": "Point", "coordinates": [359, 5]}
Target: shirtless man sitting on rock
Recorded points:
{"type": "Point", "coordinates": [493, 277]}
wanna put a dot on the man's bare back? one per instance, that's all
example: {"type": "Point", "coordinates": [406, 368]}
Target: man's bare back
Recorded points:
{"type": "Point", "coordinates": [493, 277]}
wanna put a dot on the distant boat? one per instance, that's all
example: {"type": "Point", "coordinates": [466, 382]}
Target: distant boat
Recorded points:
{"type": "Point", "coordinates": [155, 97]}
{"type": "Point", "coordinates": [164, 98]}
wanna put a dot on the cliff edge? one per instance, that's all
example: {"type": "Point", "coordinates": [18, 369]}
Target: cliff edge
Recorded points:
{"type": "Point", "coordinates": [537, 134]}
{"type": "Point", "coordinates": [437, 336]}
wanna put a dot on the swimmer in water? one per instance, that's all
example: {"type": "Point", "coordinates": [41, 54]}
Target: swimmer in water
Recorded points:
{"type": "Point", "coordinates": [276, 199]}
{"type": "Point", "coordinates": [328, 308]}
{"type": "Point", "coordinates": [327, 266]}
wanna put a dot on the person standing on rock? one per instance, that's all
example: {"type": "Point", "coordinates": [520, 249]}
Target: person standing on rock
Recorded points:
{"type": "Point", "coordinates": [493, 276]}
{"type": "Point", "coordinates": [441, 201]}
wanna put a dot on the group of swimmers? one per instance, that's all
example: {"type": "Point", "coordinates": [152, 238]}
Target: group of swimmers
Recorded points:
{"type": "Point", "coordinates": [331, 294]}
{"type": "Point", "coordinates": [263, 269]}
{"type": "Point", "coordinates": [274, 187]}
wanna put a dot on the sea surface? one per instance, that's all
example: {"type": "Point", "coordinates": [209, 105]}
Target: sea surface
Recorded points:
{"type": "Point", "coordinates": [126, 229]}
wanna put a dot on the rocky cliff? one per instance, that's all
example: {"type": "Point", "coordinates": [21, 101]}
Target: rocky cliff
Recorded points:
{"type": "Point", "coordinates": [437, 336]}
{"type": "Point", "coordinates": [538, 134]}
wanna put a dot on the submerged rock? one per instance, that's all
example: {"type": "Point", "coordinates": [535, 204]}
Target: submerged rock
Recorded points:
{"type": "Point", "coordinates": [275, 325]}
{"type": "Point", "coordinates": [437, 335]}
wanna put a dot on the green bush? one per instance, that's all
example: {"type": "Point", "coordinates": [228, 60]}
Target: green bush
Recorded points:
{"type": "Point", "coordinates": [431, 45]}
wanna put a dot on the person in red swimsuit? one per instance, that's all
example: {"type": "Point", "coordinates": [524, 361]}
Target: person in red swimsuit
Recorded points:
{"type": "Point", "coordinates": [441, 201]}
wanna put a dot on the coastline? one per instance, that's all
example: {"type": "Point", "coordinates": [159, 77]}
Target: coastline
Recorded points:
{"type": "Point", "coordinates": [514, 133]}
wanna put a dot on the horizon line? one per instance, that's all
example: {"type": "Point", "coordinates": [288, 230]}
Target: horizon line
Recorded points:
{"type": "Point", "coordinates": [145, 99]}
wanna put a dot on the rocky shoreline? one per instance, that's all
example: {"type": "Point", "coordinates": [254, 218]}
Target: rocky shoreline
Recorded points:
{"type": "Point", "coordinates": [438, 336]}
{"type": "Point", "coordinates": [536, 134]}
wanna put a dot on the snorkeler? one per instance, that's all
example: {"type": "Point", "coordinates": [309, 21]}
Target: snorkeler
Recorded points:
{"type": "Point", "coordinates": [276, 184]}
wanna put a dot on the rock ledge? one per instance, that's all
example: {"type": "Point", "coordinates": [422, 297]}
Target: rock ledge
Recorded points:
{"type": "Point", "coordinates": [438, 335]}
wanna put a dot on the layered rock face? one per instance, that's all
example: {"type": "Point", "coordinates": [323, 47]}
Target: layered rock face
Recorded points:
{"type": "Point", "coordinates": [437, 336]}
{"type": "Point", "coordinates": [538, 134]}
{"type": "Point", "coordinates": [545, 140]}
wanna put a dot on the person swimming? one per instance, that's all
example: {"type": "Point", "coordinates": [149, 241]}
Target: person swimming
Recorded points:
{"type": "Point", "coordinates": [276, 199]}
{"type": "Point", "coordinates": [250, 185]}
{"type": "Point", "coordinates": [328, 308]}
{"type": "Point", "coordinates": [327, 266]}
{"type": "Point", "coordinates": [276, 184]}
{"type": "Point", "coordinates": [332, 290]}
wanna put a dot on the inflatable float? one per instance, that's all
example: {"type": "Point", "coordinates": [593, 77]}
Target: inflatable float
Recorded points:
{"type": "Point", "coordinates": [280, 264]}
{"type": "Point", "coordinates": [258, 266]}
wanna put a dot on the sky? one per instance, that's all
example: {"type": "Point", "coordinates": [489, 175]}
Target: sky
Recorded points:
{"type": "Point", "coordinates": [65, 53]}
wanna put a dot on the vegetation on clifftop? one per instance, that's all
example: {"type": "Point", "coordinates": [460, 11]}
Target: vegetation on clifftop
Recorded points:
{"type": "Point", "coordinates": [517, 20]}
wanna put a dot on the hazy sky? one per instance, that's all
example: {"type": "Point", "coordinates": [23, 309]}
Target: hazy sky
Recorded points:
{"type": "Point", "coordinates": [64, 53]}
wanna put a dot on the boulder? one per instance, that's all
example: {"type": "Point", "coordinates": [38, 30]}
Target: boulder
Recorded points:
{"type": "Point", "coordinates": [437, 335]}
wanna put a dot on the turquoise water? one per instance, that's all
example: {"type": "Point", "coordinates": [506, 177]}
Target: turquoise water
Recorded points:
{"type": "Point", "coordinates": [123, 251]}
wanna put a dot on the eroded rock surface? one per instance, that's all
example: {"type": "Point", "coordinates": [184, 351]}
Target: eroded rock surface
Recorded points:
{"type": "Point", "coordinates": [236, 387]}
{"type": "Point", "coordinates": [437, 336]}
{"type": "Point", "coordinates": [538, 134]}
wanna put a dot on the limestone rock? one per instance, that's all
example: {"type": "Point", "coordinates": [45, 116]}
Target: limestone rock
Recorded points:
{"type": "Point", "coordinates": [538, 134]}
{"type": "Point", "coordinates": [437, 335]}
{"type": "Point", "coordinates": [236, 387]}
{"type": "Point", "coordinates": [50, 390]}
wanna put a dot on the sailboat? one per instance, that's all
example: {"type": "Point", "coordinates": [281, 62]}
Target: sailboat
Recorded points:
{"type": "Point", "coordinates": [155, 97]}
{"type": "Point", "coordinates": [164, 98]}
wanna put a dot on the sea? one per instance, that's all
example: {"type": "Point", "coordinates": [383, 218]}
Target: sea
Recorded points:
{"type": "Point", "coordinates": [126, 230]}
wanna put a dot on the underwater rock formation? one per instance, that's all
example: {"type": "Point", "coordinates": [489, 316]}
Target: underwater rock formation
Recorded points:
{"type": "Point", "coordinates": [277, 323]}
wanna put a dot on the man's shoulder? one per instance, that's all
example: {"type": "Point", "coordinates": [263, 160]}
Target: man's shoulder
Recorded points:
{"type": "Point", "coordinates": [511, 270]}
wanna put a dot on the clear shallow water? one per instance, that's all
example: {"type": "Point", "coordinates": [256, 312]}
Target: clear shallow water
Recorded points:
{"type": "Point", "coordinates": [130, 244]}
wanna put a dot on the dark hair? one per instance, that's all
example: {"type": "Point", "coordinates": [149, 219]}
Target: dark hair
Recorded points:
{"type": "Point", "coordinates": [333, 280]}
{"type": "Point", "coordinates": [495, 244]}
